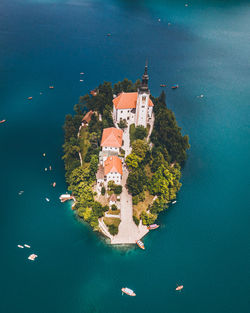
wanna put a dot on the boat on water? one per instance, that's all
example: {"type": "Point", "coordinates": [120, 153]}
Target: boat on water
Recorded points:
{"type": "Point", "coordinates": [81, 80]}
{"type": "Point", "coordinates": [128, 292]}
{"type": "Point", "coordinates": [66, 197]}
{"type": "Point", "coordinates": [29, 98]}
{"type": "Point", "coordinates": [27, 246]}
{"type": "Point", "coordinates": [140, 244]}
{"type": "Point", "coordinates": [175, 87]}
{"type": "Point", "coordinates": [54, 184]}
{"type": "Point", "coordinates": [32, 257]}
{"type": "Point", "coordinates": [20, 246]}
{"type": "Point", "coordinates": [20, 192]}
{"type": "Point", "coordinates": [179, 288]}
{"type": "Point", "coordinates": [2, 121]}
{"type": "Point", "coordinates": [174, 202]}
{"type": "Point", "coordinates": [47, 199]}
{"type": "Point", "coordinates": [51, 87]}
{"type": "Point", "coordinates": [163, 85]}
{"type": "Point", "coordinates": [153, 226]}
{"type": "Point", "coordinates": [81, 73]}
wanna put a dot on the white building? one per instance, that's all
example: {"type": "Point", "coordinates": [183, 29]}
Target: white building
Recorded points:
{"type": "Point", "coordinates": [135, 107]}
{"type": "Point", "coordinates": [112, 170]}
{"type": "Point", "coordinates": [111, 143]}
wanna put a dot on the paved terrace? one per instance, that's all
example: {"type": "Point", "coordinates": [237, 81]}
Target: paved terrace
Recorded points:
{"type": "Point", "coordinates": [128, 233]}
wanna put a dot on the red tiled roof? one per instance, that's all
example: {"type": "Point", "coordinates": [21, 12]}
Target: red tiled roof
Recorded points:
{"type": "Point", "coordinates": [113, 164]}
{"type": "Point", "coordinates": [87, 117]}
{"type": "Point", "coordinates": [112, 137]}
{"type": "Point", "coordinates": [127, 100]}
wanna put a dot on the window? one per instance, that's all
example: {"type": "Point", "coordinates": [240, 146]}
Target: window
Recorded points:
{"type": "Point", "coordinates": [143, 106]}
{"type": "Point", "coordinates": [121, 111]}
{"type": "Point", "coordinates": [143, 99]}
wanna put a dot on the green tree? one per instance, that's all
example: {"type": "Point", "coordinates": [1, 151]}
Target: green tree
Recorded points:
{"type": "Point", "coordinates": [123, 124]}
{"type": "Point", "coordinates": [140, 132]}
{"type": "Point", "coordinates": [135, 181]}
{"type": "Point", "coordinates": [132, 160]}
{"type": "Point", "coordinates": [103, 191]}
{"type": "Point", "coordinates": [114, 207]}
{"type": "Point", "coordinates": [140, 148]}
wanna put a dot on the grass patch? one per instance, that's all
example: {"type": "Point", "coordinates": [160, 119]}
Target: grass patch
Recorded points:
{"type": "Point", "coordinates": [132, 133]}
{"type": "Point", "coordinates": [112, 221]}
{"type": "Point", "coordinates": [142, 206]}
{"type": "Point", "coordinates": [84, 142]}
{"type": "Point", "coordinates": [116, 212]}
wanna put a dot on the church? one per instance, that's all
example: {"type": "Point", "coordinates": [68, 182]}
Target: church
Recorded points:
{"type": "Point", "coordinates": [134, 107]}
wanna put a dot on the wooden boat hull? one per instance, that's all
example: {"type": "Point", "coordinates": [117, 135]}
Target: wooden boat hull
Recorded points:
{"type": "Point", "coordinates": [140, 244]}
{"type": "Point", "coordinates": [153, 226]}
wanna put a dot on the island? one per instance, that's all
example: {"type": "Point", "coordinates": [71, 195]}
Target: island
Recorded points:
{"type": "Point", "coordinates": [123, 153]}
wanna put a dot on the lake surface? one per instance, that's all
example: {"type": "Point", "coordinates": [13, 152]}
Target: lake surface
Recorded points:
{"type": "Point", "coordinates": [203, 241]}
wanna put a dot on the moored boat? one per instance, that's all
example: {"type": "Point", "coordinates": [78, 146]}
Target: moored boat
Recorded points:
{"type": "Point", "coordinates": [179, 288]}
{"type": "Point", "coordinates": [2, 121]}
{"type": "Point", "coordinates": [128, 292]}
{"type": "Point", "coordinates": [29, 98]}
{"type": "Point", "coordinates": [27, 246]}
{"type": "Point", "coordinates": [163, 85]}
{"type": "Point", "coordinates": [20, 246]}
{"type": "Point", "coordinates": [51, 87]}
{"type": "Point", "coordinates": [175, 87]}
{"type": "Point", "coordinates": [140, 244]}
{"type": "Point", "coordinates": [153, 226]}
{"type": "Point", "coordinates": [47, 199]}
{"type": "Point", "coordinates": [54, 184]}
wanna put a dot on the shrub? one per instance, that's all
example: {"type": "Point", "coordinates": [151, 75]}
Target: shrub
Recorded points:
{"type": "Point", "coordinates": [103, 191]}
{"type": "Point", "coordinates": [114, 207]}
{"type": "Point", "coordinates": [135, 199]}
{"type": "Point", "coordinates": [113, 229]}
{"type": "Point", "coordinates": [117, 189]}
{"type": "Point", "coordinates": [136, 220]}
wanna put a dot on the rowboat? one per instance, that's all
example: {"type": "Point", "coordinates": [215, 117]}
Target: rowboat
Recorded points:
{"type": "Point", "coordinates": [20, 246]}
{"type": "Point", "coordinates": [29, 98]}
{"type": "Point", "coordinates": [27, 246]}
{"type": "Point", "coordinates": [163, 85]}
{"type": "Point", "coordinates": [175, 87]}
{"type": "Point", "coordinates": [153, 226]}
{"type": "Point", "coordinates": [140, 244]}
{"type": "Point", "coordinates": [51, 87]}
{"type": "Point", "coordinates": [179, 288]}
{"type": "Point", "coordinates": [54, 184]}
{"type": "Point", "coordinates": [2, 121]}
{"type": "Point", "coordinates": [128, 292]}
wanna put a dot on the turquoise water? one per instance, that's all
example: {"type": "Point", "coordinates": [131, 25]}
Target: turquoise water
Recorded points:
{"type": "Point", "coordinates": [203, 242]}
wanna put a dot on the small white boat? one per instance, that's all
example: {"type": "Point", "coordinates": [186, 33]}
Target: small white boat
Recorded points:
{"type": "Point", "coordinates": [20, 192]}
{"type": "Point", "coordinates": [81, 73]}
{"type": "Point", "coordinates": [50, 168]}
{"type": "Point", "coordinates": [44, 154]}
{"type": "Point", "coordinates": [179, 288]}
{"type": "Point", "coordinates": [81, 80]}
{"type": "Point", "coordinates": [47, 199]}
{"type": "Point", "coordinates": [20, 246]}
{"type": "Point", "coordinates": [174, 202]}
{"type": "Point", "coordinates": [27, 246]}
{"type": "Point", "coordinates": [32, 257]}
{"type": "Point", "coordinates": [128, 292]}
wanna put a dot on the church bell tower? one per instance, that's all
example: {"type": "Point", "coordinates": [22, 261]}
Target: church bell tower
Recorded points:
{"type": "Point", "coordinates": [143, 100]}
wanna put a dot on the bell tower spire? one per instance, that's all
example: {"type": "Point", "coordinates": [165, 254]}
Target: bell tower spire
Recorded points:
{"type": "Point", "coordinates": [144, 83]}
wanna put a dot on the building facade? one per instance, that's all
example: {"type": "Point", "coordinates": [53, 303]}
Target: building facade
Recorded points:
{"type": "Point", "coordinates": [134, 107]}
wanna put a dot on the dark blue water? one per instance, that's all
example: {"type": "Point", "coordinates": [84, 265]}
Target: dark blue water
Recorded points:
{"type": "Point", "coordinates": [203, 242]}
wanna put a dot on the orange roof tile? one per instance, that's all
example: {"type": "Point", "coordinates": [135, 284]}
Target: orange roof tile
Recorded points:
{"type": "Point", "coordinates": [127, 100]}
{"type": "Point", "coordinates": [112, 137]}
{"type": "Point", "coordinates": [113, 164]}
{"type": "Point", "coordinates": [87, 116]}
